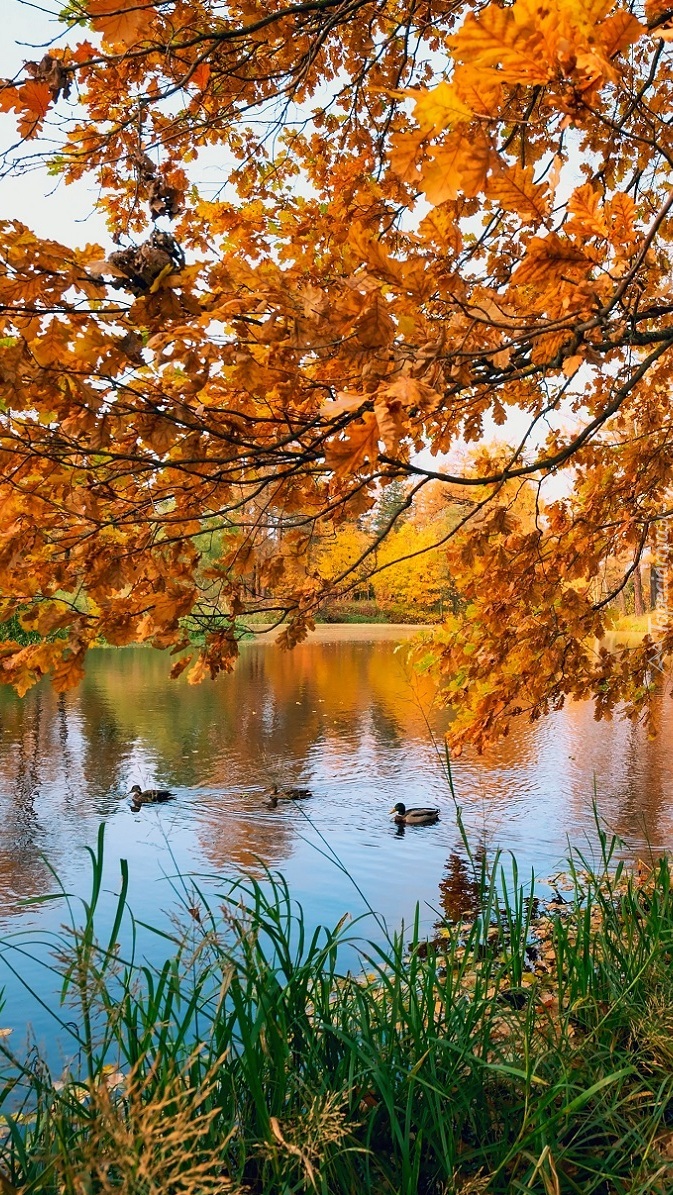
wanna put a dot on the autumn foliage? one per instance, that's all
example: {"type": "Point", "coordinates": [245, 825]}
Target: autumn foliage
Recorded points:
{"type": "Point", "coordinates": [430, 220]}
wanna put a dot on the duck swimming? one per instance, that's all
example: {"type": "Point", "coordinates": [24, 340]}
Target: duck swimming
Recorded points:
{"type": "Point", "coordinates": [413, 817]}
{"type": "Point", "coordinates": [149, 796]}
{"type": "Point", "coordinates": [287, 794]}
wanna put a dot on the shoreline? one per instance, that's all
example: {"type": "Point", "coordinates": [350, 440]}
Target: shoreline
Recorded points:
{"type": "Point", "coordinates": [341, 632]}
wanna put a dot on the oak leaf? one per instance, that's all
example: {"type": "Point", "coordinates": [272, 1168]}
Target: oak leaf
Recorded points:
{"type": "Point", "coordinates": [584, 206]}
{"type": "Point", "coordinates": [32, 100]}
{"type": "Point", "coordinates": [460, 164]}
{"type": "Point", "coordinates": [405, 149]}
{"type": "Point", "coordinates": [620, 30]}
{"type": "Point", "coordinates": [375, 326]}
{"type": "Point", "coordinates": [359, 444]}
{"type": "Point", "coordinates": [496, 39]}
{"type": "Point", "coordinates": [514, 188]}
{"type": "Point", "coordinates": [480, 90]}
{"type": "Point", "coordinates": [440, 108]}
{"type": "Point", "coordinates": [620, 210]}
{"type": "Point", "coordinates": [548, 259]}
{"type": "Point", "coordinates": [391, 421]}
{"type": "Point", "coordinates": [122, 23]}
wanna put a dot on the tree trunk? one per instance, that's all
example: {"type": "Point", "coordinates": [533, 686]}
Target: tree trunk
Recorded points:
{"type": "Point", "coordinates": [638, 603]}
{"type": "Point", "coordinates": [621, 603]}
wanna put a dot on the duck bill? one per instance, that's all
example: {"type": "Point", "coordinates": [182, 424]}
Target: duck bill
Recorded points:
{"type": "Point", "coordinates": [391, 812]}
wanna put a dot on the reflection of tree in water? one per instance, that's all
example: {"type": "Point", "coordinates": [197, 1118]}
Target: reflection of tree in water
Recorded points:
{"type": "Point", "coordinates": [21, 819]}
{"type": "Point", "coordinates": [54, 770]}
{"type": "Point", "coordinates": [631, 772]}
{"type": "Point", "coordinates": [250, 838]}
{"type": "Point", "coordinates": [22, 870]}
{"type": "Point", "coordinates": [105, 745]}
{"type": "Point", "coordinates": [385, 726]}
{"type": "Point", "coordinates": [641, 800]}
{"type": "Point", "coordinates": [460, 887]}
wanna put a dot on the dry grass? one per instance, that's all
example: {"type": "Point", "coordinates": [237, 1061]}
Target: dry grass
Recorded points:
{"type": "Point", "coordinates": [127, 1138]}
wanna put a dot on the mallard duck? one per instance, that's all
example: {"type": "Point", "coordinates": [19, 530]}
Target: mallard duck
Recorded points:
{"type": "Point", "coordinates": [287, 794]}
{"type": "Point", "coordinates": [149, 796]}
{"type": "Point", "coordinates": [413, 817]}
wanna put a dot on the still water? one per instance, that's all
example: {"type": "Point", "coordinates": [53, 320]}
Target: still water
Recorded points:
{"type": "Point", "coordinates": [340, 715]}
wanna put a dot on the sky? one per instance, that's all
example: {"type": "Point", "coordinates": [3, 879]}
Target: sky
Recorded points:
{"type": "Point", "coordinates": [43, 202]}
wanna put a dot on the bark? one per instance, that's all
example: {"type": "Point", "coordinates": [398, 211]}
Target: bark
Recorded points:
{"type": "Point", "coordinates": [638, 602]}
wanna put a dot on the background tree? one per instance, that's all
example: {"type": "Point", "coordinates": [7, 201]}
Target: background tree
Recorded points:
{"type": "Point", "coordinates": [433, 219]}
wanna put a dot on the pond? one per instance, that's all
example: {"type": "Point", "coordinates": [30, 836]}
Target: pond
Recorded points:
{"type": "Point", "coordinates": [341, 715]}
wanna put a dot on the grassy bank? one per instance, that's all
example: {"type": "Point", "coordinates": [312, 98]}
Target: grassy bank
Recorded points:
{"type": "Point", "coordinates": [527, 1049]}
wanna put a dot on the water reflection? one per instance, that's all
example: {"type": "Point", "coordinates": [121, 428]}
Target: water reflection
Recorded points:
{"type": "Point", "coordinates": [342, 718]}
{"type": "Point", "coordinates": [459, 887]}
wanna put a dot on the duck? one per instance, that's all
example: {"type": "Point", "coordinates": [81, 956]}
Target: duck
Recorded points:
{"type": "Point", "coordinates": [413, 817]}
{"type": "Point", "coordinates": [149, 796]}
{"type": "Point", "coordinates": [287, 794]}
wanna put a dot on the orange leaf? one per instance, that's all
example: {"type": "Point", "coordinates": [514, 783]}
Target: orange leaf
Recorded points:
{"type": "Point", "coordinates": [548, 259]}
{"type": "Point", "coordinates": [34, 100]}
{"type": "Point", "coordinates": [515, 190]}
{"type": "Point", "coordinates": [619, 31]}
{"type": "Point", "coordinates": [121, 22]}
{"type": "Point", "coordinates": [9, 97]}
{"type": "Point", "coordinates": [621, 212]}
{"type": "Point", "coordinates": [441, 176]}
{"type": "Point", "coordinates": [405, 148]}
{"type": "Point", "coordinates": [347, 455]}
{"type": "Point", "coordinates": [459, 164]}
{"type": "Point", "coordinates": [481, 90]}
{"type": "Point", "coordinates": [390, 419]}
{"type": "Point", "coordinates": [495, 39]}
{"type": "Point", "coordinates": [572, 364]}
{"type": "Point", "coordinates": [584, 205]}
{"type": "Point", "coordinates": [200, 76]}
{"type": "Point", "coordinates": [375, 327]}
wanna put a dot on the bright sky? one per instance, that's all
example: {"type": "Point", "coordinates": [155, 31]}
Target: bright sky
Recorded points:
{"type": "Point", "coordinates": [42, 202]}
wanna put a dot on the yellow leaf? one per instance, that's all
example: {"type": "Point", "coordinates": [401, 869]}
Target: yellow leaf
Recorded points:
{"type": "Point", "coordinates": [439, 109]}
